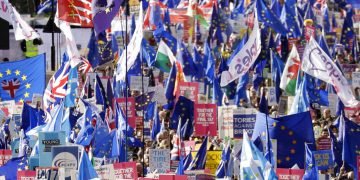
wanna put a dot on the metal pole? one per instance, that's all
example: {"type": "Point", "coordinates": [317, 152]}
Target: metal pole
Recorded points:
{"type": "Point", "coordinates": [52, 37]}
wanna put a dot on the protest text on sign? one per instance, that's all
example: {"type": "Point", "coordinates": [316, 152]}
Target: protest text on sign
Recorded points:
{"type": "Point", "coordinates": [205, 119]}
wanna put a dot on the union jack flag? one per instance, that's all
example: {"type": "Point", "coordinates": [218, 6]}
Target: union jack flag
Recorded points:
{"type": "Point", "coordinates": [56, 88]}
{"type": "Point", "coordinates": [11, 86]}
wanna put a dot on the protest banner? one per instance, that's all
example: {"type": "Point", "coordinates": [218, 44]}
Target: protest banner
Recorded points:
{"type": "Point", "coordinates": [289, 174]}
{"type": "Point", "coordinates": [205, 119]}
{"type": "Point", "coordinates": [125, 170]}
{"type": "Point", "coordinates": [244, 119]}
{"type": "Point", "coordinates": [213, 159]}
{"type": "Point", "coordinates": [189, 90]}
{"type": "Point", "coordinates": [46, 141]}
{"type": "Point", "coordinates": [323, 143]}
{"type": "Point", "coordinates": [137, 84]}
{"type": "Point", "coordinates": [66, 157]}
{"type": "Point", "coordinates": [5, 155]}
{"type": "Point", "coordinates": [130, 109]}
{"type": "Point", "coordinates": [26, 175]}
{"type": "Point", "coordinates": [105, 172]}
{"type": "Point", "coordinates": [159, 160]}
{"type": "Point", "coordinates": [226, 121]}
{"type": "Point", "coordinates": [323, 159]}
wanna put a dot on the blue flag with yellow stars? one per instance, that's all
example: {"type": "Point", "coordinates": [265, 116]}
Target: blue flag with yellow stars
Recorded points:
{"type": "Point", "coordinates": [19, 82]}
{"type": "Point", "coordinates": [184, 109]}
{"type": "Point", "coordinates": [291, 132]}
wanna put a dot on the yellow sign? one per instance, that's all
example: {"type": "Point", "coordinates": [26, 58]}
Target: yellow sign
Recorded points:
{"type": "Point", "coordinates": [213, 159]}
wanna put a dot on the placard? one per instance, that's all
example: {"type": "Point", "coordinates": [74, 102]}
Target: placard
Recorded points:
{"type": "Point", "coordinates": [225, 121]}
{"type": "Point", "coordinates": [37, 99]}
{"type": "Point", "coordinates": [46, 173]}
{"type": "Point", "coordinates": [46, 141]}
{"type": "Point", "coordinates": [323, 143]}
{"type": "Point", "coordinates": [289, 174]}
{"type": "Point", "coordinates": [131, 111]}
{"type": "Point", "coordinates": [213, 159]}
{"type": "Point", "coordinates": [15, 147]}
{"type": "Point", "coordinates": [271, 96]}
{"type": "Point", "coordinates": [5, 155]}
{"type": "Point", "coordinates": [189, 146]}
{"type": "Point", "coordinates": [205, 119]}
{"type": "Point", "coordinates": [282, 105]}
{"type": "Point", "coordinates": [136, 83]}
{"type": "Point", "coordinates": [355, 80]}
{"type": "Point", "coordinates": [26, 175]}
{"type": "Point", "coordinates": [159, 94]}
{"type": "Point", "coordinates": [159, 160]}
{"type": "Point", "coordinates": [125, 170]}
{"type": "Point", "coordinates": [66, 157]}
{"type": "Point", "coordinates": [323, 159]}
{"type": "Point", "coordinates": [244, 119]}
{"type": "Point", "coordinates": [189, 90]}
{"type": "Point", "coordinates": [7, 107]}
{"type": "Point", "coordinates": [105, 172]}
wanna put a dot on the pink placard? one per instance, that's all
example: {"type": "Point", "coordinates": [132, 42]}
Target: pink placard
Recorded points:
{"type": "Point", "coordinates": [289, 174]}
{"type": "Point", "coordinates": [125, 170]}
{"type": "Point", "coordinates": [130, 109]}
{"type": "Point", "coordinates": [189, 90]}
{"type": "Point", "coordinates": [205, 119]}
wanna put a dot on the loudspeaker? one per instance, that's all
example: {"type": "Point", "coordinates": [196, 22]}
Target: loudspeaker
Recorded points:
{"type": "Point", "coordinates": [4, 34]}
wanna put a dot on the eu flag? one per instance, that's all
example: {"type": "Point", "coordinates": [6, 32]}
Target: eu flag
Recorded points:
{"type": "Point", "coordinates": [291, 133]}
{"type": "Point", "coordinates": [20, 80]}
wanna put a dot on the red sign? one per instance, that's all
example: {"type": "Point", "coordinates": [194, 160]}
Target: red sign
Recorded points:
{"type": "Point", "coordinates": [205, 119]}
{"type": "Point", "coordinates": [5, 155]}
{"type": "Point", "coordinates": [189, 90]}
{"type": "Point", "coordinates": [130, 109]}
{"type": "Point", "coordinates": [172, 177]}
{"type": "Point", "coordinates": [26, 175]}
{"type": "Point", "coordinates": [125, 170]}
{"type": "Point", "coordinates": [323, 143]}
{"type": "Point", "coordinates": [68, 11]}
{"type": "Point", "coordinates": [289, 174]}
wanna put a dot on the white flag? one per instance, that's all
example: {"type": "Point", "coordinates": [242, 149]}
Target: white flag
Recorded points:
{"type": "Point", "coordinates": [318, 64]}
{"type": "Point", "coordinates": [133, 49]}
{"type": "Point", "coordinates": [245, 58]}
{"type": "Point", "coordinates": [22, 29]}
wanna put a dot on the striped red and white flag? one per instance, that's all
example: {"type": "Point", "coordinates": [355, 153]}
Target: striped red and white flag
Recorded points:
{"type": "Point", "coordinates": [76, 12]}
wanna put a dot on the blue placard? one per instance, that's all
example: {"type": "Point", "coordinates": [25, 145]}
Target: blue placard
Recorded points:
{"type": "Point", "coordinates": [67, 157]}
{"type": "Point", "coordinates": [46, 141]}
{"type": "Point", "coordinates": [324, 159]}
{"type": "Point", "coordinates": [15, 147]}
{"type": "Point", "coordinates": [243, 122]}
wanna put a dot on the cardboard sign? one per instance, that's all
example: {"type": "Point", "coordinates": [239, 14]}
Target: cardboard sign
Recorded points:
{"type": "Point", "coordinates": [323, 143]}
{"type": "Point", "coordinates": [244, 119]}
{"type": "Point", "coordinates": [105, 172]}
{"type": "Point", "coordinates": [159, 160]}
{"type": "Point", "coordinates": [130, 109]}
{"type": "Point", "coordinates": [46, 141]}
{"type": "Point", "coordinates": [136, 83]}
{"type": "Point", "coordinates": [213, 159]}
{"type": "Point", "coordinates": [205, 119]}
{"type": "Point", "coordinates": [289, 174]}
{"type": "Point", "coordinates": [5, 155]}
{"type": "Point", "coordinates": [324, 159]}
{"type": "Point", "coordinates": [125, 170]}
{"type": "Point", "coordinates": [26, 174]}
{"type": "Point", "coordinates": [66, 157]}
{"type": "Point", "coordinates": [189, 90]}
{"type": "Point", "coordinates": [225, 121]}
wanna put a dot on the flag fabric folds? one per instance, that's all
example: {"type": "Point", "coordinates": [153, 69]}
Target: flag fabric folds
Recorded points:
{"type": "Point", "coordinates": [76, 12]}
{"type": "Point", "coordinates": [199, 161]}
{"type": "Point", "coordinates": [290, 73]}
{"type": "Point", "coordinates": [102, 17]}
{"type": "Point", "coordinates": [311, 169]}
{"type": "Point", "coordinates": [19, 82]}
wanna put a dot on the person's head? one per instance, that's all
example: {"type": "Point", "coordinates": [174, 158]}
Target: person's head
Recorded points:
{"type": "Point", "coordinates": [242, 103]}
{"type": "Point", "coordinates": [325, 132]}
{"type": "Point", "coordinates": [159, 137]}
{"type": "Point", "coordinates": [326, 113]}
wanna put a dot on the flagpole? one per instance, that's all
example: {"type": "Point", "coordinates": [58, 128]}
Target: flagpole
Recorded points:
{"type": "Point", "coordinates": [142, 109]}
{"type": "Point", "coordinates": [52, 38]}
{"type": "Point", "coordinates": [126, 75]}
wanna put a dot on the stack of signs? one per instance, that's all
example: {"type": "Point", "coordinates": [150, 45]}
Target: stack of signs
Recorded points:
{"type": "Point", "coordinates": [159, 160]}
{"type": "Point", "coordinates": [225, 121]}
{"type": "Point", "coordinates": [244, 119]}
{"type": "Point", "coordinates": [205, 119]}
{"type": "Point", "coordinates": [46, 141]}
{"type": "Point", "coordinates": [66, 157]}
{"type": "Point", "coordinates": [5, 155]}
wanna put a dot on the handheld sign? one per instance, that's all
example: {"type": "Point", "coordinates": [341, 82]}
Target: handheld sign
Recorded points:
{"type": "Point", "coordinates": [159, 160]}
{"type": "Point", "coordinates": [205, 119]}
